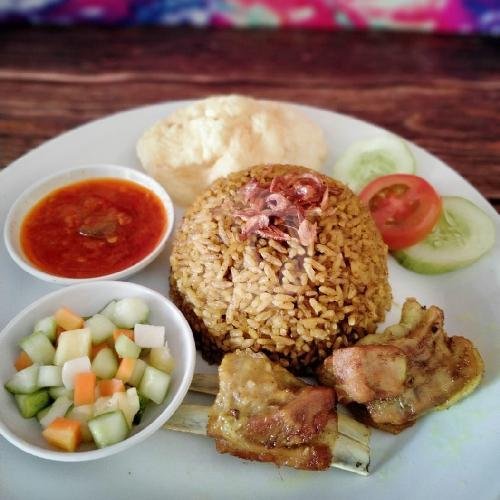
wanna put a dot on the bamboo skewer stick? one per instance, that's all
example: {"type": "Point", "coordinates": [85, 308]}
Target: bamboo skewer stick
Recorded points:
{"type": "Point", "coordinates": [206, 383]}
{"type": "Point", "coordinates": [348, 454]}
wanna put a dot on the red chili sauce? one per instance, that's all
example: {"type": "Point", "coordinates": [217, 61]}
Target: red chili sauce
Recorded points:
{"type": "Point", "coordinates": [93, 228]}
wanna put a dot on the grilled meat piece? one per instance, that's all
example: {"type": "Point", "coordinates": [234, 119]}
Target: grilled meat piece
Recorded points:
{"type": "Point", "coordinates": [295, 423]}
{"type": "Point", "coordinates": [363, 374]}
{"type": "Point", "coordinates": [440, 370]}
{"type": "Point", "coordinates": [264, 413]}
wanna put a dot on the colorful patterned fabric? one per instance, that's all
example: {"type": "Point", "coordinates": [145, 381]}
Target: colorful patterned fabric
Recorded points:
{"type": "Point", "coordinates": [449, 16]}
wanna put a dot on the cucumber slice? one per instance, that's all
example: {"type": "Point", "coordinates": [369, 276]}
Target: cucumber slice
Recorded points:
{"type": "Point", "coordinates": [126, 348]}
{"type": "Point", "coordinates": [127, 402]}
{"type": "Point", "coordinates": [161, 358]}
{"type": "Point", "coordinates": [72, 368]}
{"type": "Point", "coordinates": [109, 428]}
{"type": "Point", "coordinates": [143, 403]}
{"type": "Point", "coordinates": [47, 326]}
{"type": "Point", "coordinates": [105, 404]}
{"type": "Point", "coordinates": [101, 328]}
{"type": "Point", "coordinates": [130, 405]}
{"type": "Point", "coordinates": [56, 392]}
{"type": "Point", "coordinates": [39, 348]}
{"type": "Point", "coordinates": [24, 381]}
{"type": "Point", "coordinates": [83, 414]}
{"type": "Point", "coordinates": [42, 413]}
{"type": "Point", "coordinates": [109, 310]}
{"type": "Point", "coordinates": [154, 384]}
{"type": "Point", "coordinates": [463, 234]}
{"type": "Point", "coordinates": [49, 376]}
{"type": "Point", "coordinates": [30, 404]}
{"type": "Point", "coordinates": [59, 408]}
{"type": "Point", "coordinates": [72, 344]}
{"type": "Point", "coordinates": [368, 159]}
{"type": "Point", "coordinates": [105, 364]}
{"type": "Point", "coordinates": [137, 373]}
{"type": "Point", "coordinates": [128, 312]}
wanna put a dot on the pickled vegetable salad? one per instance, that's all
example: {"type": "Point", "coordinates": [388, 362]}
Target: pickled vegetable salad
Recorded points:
{"type": "Point", "coordinates": [91, 380]}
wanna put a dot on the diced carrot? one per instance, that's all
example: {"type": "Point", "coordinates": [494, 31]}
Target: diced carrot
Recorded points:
{"type": "Point", "coordinates": [125, 369]}
{"type": "Point", "coordinates": [122, 331]}
{"type": "Point", "coordinates": [84, 388]}
{"type": "Point", "coordinates": [64, 433]}
{"type": "Point", "coordinates": [68, 319]}
{"type": "Point", "coordinates": [22, 361]}
{"type": "Point", "coordinates": [96, 348]}
{"type": "Point", "coordinates": [109, 386]}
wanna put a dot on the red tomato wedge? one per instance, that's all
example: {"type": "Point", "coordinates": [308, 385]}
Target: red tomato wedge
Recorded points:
{"type": "Point", "coordinates": [405, 208]}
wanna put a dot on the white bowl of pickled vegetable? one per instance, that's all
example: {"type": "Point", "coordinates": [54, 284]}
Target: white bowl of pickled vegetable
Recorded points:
{"type": "Point", "coordinates": [92, 369]}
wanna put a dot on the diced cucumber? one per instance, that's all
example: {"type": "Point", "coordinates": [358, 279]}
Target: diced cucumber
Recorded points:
{"type": "Point", "coordinates": [462, 235]}
{"type": "Point", "coordinates": [56, 392]}
{"type": "Point", "coordinates": [83, 414]}
{"type": "Point", "coordinates": [137, 372]}
{"type": "Point", "coordinates": [367, 159]}
{"type": "Point", "coordinates": [48, 327]}
{"type": "Point", "coordinates": [149, 335]}
{"type": "Point", "coordinates": [126, 348]}
{"type": "Point", "coordinates": [24, 381]}
{"type": "Point", "coordinates": [30, 404]}
{"type": "Point", "coordinates": [128, 312]}
{"type": "Point", "coordinates": [154, 384]}
{"type": "Point", "coordinates": [42, 413]}
{"type": "Point", "coordinates": [143, 403]}
{"type": "Point", "coordinates": [72, 368]}
{"type": "Point", "coordinates": [109, 428]}
{"type": "Point", "coordinates": [132, 405]}
{"type": "Point", "coordinates": [39, 348]}
{"type": "Point", "coordinates": [49, 376]}
{"type": "Point", "coordinates": [105, 404]}
{"type": "Point", "coordinates": [104, 365]}
{"type": "Point", "coordinates": [72, 344]}
{"type": "Point", "coordinates": [101, 328]}
{"type": "Point", "coordinates": [161, 358]}
{"type": "Point", "coordinates": [109, 310]}
{"type": "Point", "coordinates": [127, 402]}
{"type": "Point", "coordinates": [59, 408]}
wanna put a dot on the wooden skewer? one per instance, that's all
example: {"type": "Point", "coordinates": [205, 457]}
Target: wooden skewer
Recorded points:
{"type": "Point", "coordinates": [206, 383]}
{"type": "Point", "coordinates": [348, 454]}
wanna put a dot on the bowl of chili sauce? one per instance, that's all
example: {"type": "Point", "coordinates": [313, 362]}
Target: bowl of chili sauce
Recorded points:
{"type": "Point", "coordinates": [89, 223]}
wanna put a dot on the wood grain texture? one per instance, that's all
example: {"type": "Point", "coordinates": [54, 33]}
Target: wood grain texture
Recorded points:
{"type": "Point", "coordinates": [441, 92]}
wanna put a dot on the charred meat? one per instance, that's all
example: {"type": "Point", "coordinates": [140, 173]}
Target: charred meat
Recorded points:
{"type": "Point", "coordinates": [394, 377]}
{"type": "Point", "coordinates": [264, 413]}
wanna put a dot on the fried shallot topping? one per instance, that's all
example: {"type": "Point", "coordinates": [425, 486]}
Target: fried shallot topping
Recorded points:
{"type": "Point", "coordinates": [283, 208]}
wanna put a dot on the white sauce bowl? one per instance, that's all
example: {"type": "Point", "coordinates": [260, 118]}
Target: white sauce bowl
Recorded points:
{"type": "Point", "coordinates": [31, 196]}
{"type": "Point", "coordinates": [87, 299]}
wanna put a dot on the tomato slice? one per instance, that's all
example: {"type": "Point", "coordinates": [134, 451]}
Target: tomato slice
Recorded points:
{"type": "Point", "coordinates": [405, 208]}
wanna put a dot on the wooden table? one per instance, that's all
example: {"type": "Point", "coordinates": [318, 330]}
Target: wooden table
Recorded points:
{"type": "Point", "coordinates": [441, 92]}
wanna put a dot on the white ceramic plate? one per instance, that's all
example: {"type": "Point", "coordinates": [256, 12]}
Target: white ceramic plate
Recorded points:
{"type": "Point", "coordinates": [451, 454]}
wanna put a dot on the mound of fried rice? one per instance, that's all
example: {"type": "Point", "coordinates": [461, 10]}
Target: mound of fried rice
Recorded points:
{"type": "Point", "coordinates": [294, 302]}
